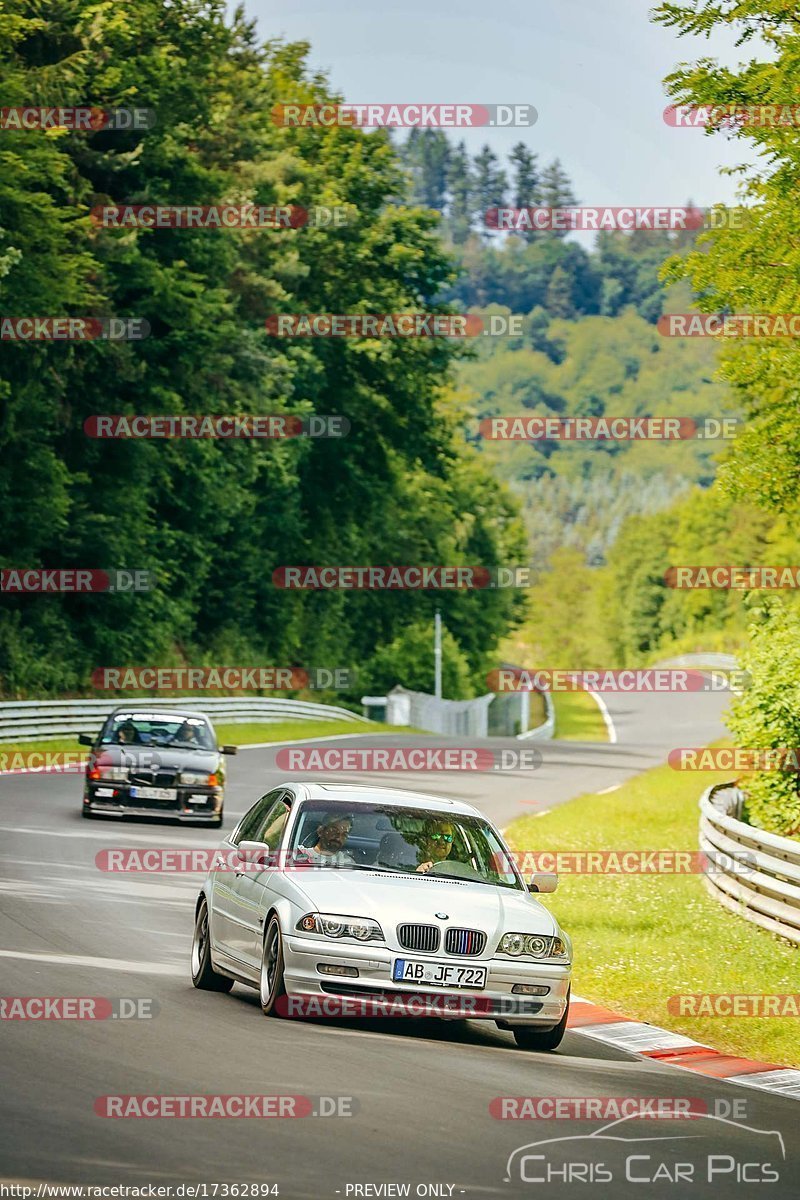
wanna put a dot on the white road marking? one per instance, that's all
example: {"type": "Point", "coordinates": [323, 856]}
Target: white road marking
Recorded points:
{"type": "Point", "coordinates": [786, 1082]}
{"type": "Point", "coordinates": [330, 737]}
{"type": "Point", "coordinates": [635, 1035]}
{"type": "Point", "coordinates": [605, 791]}
{"type": "Point", "coordinates": [605, 714]}
{"type": "Point", "coordinates": [113, 833]}
{"type": "Point", "coordinates": [106, 964]}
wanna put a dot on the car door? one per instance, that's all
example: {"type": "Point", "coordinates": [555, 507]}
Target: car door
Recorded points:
{"type": "Point", "coordinates": [260, 887]}
{"type": "Point", "coordinates": [231, 916]}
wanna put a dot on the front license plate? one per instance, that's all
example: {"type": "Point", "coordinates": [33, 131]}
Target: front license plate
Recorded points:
{"type": "Point", "coordinates": [409, 970]}
{"type": "Point", "coordinates": [153, 793]}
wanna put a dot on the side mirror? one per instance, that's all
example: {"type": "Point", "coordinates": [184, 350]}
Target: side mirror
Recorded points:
{"type": "Point", "coordinates": [256, 852]}
{"type": "Point", "coordinates": [543, 881]}
{"type": "Point", "coordinates": [229, 749]}
{"type": "Point", "coordinates": [85, 739]}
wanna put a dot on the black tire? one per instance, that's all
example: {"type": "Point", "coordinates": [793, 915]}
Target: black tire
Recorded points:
{"type": "Point", "coordinates": [203, 974]}
{"type": "Point", "coordinates": [87, 813]}
{"type": "Point", "coordinates": [528, 1037]}
{"type": "Point", "coordinates": [271, 987]}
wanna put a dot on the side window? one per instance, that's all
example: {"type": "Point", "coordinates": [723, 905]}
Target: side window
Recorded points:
{"type": "Point", "coordinates": [254, 821]}
{"type": "Point", "coordinates": [272, 827]}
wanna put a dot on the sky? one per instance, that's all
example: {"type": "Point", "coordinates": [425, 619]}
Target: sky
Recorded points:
{"type": "Point", "coordinates": [593, 69]}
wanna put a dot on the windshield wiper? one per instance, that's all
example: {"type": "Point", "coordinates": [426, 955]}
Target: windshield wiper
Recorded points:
{"type": "Point", "coordinates": [375, 867]}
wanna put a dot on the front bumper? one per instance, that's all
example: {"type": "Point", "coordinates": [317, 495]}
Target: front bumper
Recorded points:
{"type": "Point", "coordinates": [496, 1002]}
{"type": "Point", "coordinates": [191, 803]}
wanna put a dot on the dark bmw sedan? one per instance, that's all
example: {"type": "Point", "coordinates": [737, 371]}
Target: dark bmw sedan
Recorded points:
{"type": "Point", "coordinates": [147, 763]}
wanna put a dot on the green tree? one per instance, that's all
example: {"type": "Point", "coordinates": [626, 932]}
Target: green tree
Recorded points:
{"type": "Point", "coordinates": [489, 186]}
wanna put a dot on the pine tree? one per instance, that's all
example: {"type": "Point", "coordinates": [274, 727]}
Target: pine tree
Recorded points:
{"type": "Point", "coordinates": [556, 190]}
{"type": "Point", "coordinates": [460, 188]}
{"type": "Point", "coordinates": [525, 185]}
{"type": "Point", "coordinates": [559, 294]}
{"type": "Point", "coordinates": [490, 184]}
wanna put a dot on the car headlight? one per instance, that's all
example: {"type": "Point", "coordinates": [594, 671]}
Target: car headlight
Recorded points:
{"type": "Point", "coordinates": [360, 929]}
{"type": "Point", "coordinates": [112, 774]}
{"type": "Point", "coordinates": [552, 949]}
{"type": "Point", "coordinates": [193, 778]}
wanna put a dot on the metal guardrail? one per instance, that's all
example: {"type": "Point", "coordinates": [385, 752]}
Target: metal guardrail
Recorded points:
{"type": "Point", "coordinates": [712, 660]}
{"type": "Point", "coordinates": [766, 892]}
{"type": "Point", "coordinates": [42, 720]}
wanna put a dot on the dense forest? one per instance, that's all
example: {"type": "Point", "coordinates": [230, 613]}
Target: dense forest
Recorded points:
{"type": "Point", "coordinates": [213, 519]}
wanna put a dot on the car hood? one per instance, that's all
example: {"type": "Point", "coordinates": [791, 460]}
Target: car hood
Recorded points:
{"type": "Point", "coordinates": [395, 899]}
{"type": "Point", "coordinates": [165, 758]}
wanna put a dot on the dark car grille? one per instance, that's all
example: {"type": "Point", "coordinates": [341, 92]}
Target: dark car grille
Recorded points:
{"type": "Point", "coordinates": [418, 937]}
{"type": "Point", "coordinates": [164, 779]}
{"type": "Point", "coordinates": [464, 941]}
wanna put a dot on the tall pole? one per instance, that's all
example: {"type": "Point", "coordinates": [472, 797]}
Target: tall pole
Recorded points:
{"type": "Point", "coordinates": [437, 655]}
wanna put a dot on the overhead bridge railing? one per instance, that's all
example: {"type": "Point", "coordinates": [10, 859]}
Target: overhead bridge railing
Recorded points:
{"type": "Point", "coordinates": [43, 720]}
{"type": "Point", "coordinates": [758, 875]}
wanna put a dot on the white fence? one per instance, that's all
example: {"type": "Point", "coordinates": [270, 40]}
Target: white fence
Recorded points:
{"type": "Point", "coordinates": [450, 717]}
{"type": "Point", "coordinates": [47, 719]}
{"type": "Point", "coordinates": [547, 730]}
{"type": "Point", "coordinates": [766, 892]}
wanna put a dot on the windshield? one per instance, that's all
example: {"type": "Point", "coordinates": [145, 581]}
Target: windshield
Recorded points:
{"type": "Point", "coordinates": [155, 729]}
{"type": "Point", "coordinates": [406, 840]}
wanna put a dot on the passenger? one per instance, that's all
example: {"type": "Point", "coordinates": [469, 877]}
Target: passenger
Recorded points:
{"type": "Point", "coordinates": [435, 845]}
{"type": "Point", "coordinates": [332, 835]}
{"type": "Point", "coordinates": [127, 733]}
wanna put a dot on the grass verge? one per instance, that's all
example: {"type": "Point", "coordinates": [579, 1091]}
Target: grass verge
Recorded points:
{"type": "Point", "coordinates": [640, 939]}
{"type": "Point", "coordinates": [578, 717]}
{"type": "Point", "coordinates": [234, 735]}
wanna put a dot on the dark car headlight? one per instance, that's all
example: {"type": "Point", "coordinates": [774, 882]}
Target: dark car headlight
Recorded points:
{"type": "Point", "coordinates": [199, 778]}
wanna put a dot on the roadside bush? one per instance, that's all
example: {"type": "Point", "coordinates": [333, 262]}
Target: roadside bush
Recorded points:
{"type": "Point", "coordinates": [767, 714]}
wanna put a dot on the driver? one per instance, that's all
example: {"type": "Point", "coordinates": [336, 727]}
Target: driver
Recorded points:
{"type": "Point", "coordinates": [187, 734]}
{"type": "Point", "coordinates": [435, 846]}
{"type": "Point", "coordinates": [332, 834]}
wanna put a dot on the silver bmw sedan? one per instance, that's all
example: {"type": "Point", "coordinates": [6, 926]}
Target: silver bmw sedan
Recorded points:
{"type": "Point", "coordinates": [341, 900]}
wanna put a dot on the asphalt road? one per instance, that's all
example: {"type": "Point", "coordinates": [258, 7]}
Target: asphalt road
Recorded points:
{"type": "Point", "coordinates": [421, 1091]}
